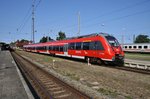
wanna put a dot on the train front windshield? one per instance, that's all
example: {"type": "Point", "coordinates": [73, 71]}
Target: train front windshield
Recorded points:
{"type": "Point", "coordinates": [112, 41]}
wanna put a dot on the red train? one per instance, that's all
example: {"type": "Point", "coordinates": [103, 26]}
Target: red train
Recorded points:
{"type": "Point", "coordinates": [98, 47]}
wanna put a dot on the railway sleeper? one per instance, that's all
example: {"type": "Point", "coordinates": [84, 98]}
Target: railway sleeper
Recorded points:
{"type": "Point", "coordinates": [58, 92]}
{"type": "Point", "coordinates": [46, 81]}
{"type": "Point", "coordinates": [52, 85]}
{"type": "Point", "coordinates": [49, 82]}
{"type": "Point", "coordinates": [62, 96]}
{"type": "Point", "coordinates": [55, 89]}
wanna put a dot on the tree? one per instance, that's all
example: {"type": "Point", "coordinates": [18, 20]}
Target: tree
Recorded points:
{"type": "Point", "coordinates": [21, 43]}
{"type": "Point", "coordinates": [23, 40]}
{"type": "Point", "coordinates": [44, 39]}
{"type": "Point", "coordinates": [142, 39]}
{"type": "Point", "coordinates": [61, 36]}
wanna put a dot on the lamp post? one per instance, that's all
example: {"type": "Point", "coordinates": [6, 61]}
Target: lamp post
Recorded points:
{"type": "Point", "coordinates": [122, 41]}
{"type": "Point", "coordinates": [102, 25]}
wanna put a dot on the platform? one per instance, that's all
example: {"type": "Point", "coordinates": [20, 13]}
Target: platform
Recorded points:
{"type": "Point", "coordinates": [12, 84]}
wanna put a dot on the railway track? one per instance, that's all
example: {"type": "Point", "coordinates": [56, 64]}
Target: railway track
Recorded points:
{"type": "Point", "coordinates": [46, 85]}
{"type": "Point", "coordinates": [133, 69]}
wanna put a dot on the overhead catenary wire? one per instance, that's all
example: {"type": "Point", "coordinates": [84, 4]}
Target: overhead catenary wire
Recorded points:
{"type": "Point", "coordinates": [105, 14]}
{"type": "Point", "coordinates": [118, 18]}
{"type": "Point", "coordinates": [28, 14]}
{"type": "Point", "coordinates": [27, 17]}
{"type": "Point", "coordinates": [108, 13]}
{"type": "Point", "coordinates": [119, 10]}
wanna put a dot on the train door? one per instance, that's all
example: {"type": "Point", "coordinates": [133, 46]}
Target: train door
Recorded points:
{"type": "Point", "coordinates": [47, 49]}
{"type": "Point", "coordinates": [66, 49]}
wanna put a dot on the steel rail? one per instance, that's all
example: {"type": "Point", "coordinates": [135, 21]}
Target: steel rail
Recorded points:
{"type": "Point", "coordinates": [46, 85]}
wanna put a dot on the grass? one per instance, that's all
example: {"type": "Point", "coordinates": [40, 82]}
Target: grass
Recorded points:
{"type": "Point", "coordinates": [108, 92]}
{"type": "Point", "coordinates": [72, 75]}
{"type": "Point", "coordinates": [137, 56]}
{"type": "Point", "coordinates": [47, 59]}
{"type": "Point", "coordinates": [129, 97]}
{"type": "Point", "coordinates": [114, 94]}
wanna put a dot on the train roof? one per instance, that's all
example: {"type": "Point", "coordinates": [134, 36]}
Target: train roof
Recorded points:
{"type": "Point", "coordinates": [137, 44]}
{"type": "Point", "coordinates": [89, 35]}
{"type": "Point", "coordinates": [65, 41]}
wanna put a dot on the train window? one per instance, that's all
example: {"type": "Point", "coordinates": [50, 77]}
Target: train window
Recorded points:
{"type": "Point", "coordinates": [61, 48]}
{"type": "Point", "coordinates": [125, 47]}
{"type": "Point", "coordinates": [99, 45]}
{"type": "Point", "coordinates": [130, 46]}
{"type": "Point", "coordinates": [134, 46]}
{"type": "Point", "coordinates": [54, 48]}
{"type": "Point", "coordinates": [44, 48]}
{"type": "Point", "coordinates": [78, 46]}
{"type": "Point", "coordinates": [41, 48]}
{"type": "Point", "coordinates": [112, 41]}
{"type": "Point", "coordinates": [96, 45]}
{"type": "Point", "coordinates": [86, 45]}
{"type": "Point", "coordinates": [92, 46]}
{"type": "Point", "coordinates": [57, 48]}
{"type": "Point", "coordinates": [145, 47]}
{"type": "Point", "coordinates": [50, 48]}
{"type": "Point", "coordinates": [140, 47]}
{"type": "Point", "coordinates": [37, 48]}
{"type": "Point", "coordinates": [72, 46]}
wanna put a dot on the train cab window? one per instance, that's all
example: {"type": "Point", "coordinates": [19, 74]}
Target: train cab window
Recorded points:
{"type": "Point", "coordinates": [86, 45]}
{"type": "Point", "coordinates": [112, 40]}
{"type": "Point", "coordinates": [72, 46]}
{"type": "Point", "coordinates": [134, 46]}
{"type": "Point", "coordinates": [140, 47]}
{"type": "Point", "coordinates": [145, 47]}
{"type": "Point", "coordinates": [78, 46]}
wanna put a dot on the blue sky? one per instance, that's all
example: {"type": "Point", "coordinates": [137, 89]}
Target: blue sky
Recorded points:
{"type": "Point", "coordinates": [116, 17]}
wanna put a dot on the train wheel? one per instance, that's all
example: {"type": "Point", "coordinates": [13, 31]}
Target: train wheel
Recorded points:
{"type": "Point", "coordinates": [99, 61]}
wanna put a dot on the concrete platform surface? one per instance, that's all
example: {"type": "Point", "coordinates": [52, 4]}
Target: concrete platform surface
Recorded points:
{"type": "Point", "coordinates": [12, 84]}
